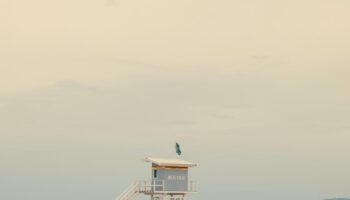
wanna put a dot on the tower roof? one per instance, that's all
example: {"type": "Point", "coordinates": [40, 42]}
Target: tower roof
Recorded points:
{"type": "Point", "coordinates": [170, 162]}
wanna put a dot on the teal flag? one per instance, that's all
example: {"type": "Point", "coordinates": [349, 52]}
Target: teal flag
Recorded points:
{"type": "Point", "coordinates": [177, 148]}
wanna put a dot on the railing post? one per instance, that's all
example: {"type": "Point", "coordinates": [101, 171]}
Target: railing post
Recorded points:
{"type": "Point", "coordinates": [154, 185]}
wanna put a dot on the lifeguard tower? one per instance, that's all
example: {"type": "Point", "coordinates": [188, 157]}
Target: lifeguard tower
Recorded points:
{"type": "Point", "coordinates": [169, 181]}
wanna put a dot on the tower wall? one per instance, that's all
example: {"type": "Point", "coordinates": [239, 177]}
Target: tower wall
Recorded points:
{"type": "Point", "coordinates": [175, 179]}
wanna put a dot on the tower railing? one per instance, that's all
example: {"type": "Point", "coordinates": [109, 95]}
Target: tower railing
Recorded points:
{"type": "Point", "coordinates": [151, 186]}
{"type": "Point", "coordinates": [192, 186]}
{"type": "Point", "coordinates": [130, 193]}
{"type": "Point", "coordinates": [155, 186]}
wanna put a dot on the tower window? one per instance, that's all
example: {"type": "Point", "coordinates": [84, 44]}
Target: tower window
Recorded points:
{"type": "Point", "coordinates": [155, 175]}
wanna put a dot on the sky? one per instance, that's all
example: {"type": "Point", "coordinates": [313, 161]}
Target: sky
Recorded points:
{"type": "Point", "coordinates": [256, 93]}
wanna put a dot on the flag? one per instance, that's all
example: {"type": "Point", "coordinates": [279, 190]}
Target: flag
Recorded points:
{"type": "Point", "coordinates": [177, 148]}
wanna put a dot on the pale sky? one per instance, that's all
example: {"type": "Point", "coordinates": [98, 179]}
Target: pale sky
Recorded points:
{"type": "Point", "coordinates": [257, 92]}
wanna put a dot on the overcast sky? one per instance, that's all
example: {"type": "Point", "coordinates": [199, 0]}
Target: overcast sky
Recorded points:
{"type": "Point", "coordinates": [256, 92]}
